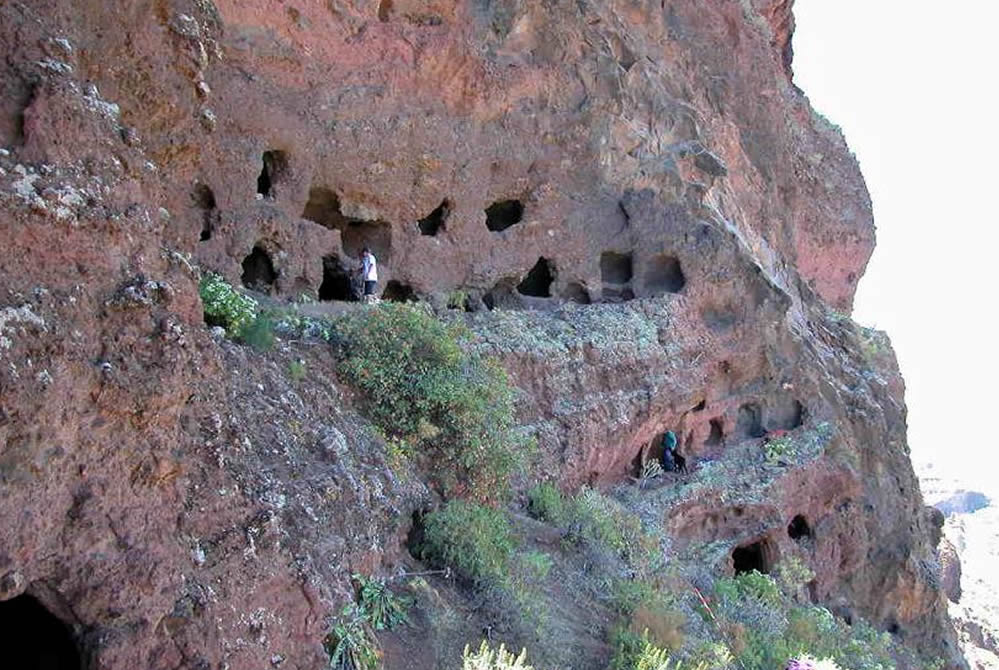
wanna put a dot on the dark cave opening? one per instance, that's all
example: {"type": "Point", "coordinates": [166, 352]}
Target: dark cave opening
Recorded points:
{"type": "Point", "coordinates": [750, 423]}
{"type": "Point", "coordinates": [416, 534]}
{"type": "Point", "coordinates": [336, 282]}
{"type": "Point", "coordinates": [538, 282]}
{"type": "Point", "coordinates": [503, 214]}
{"type": "Point", "coordinates": [717, 434]}
{"type": "Point", "coordinates": [32, 638]}
{"type": "Point", "coordinates": [787, 415]}
{"type": "Point", "coordinates": [664, 275]}
{"type": "Point", "coordinates": [615, 268]}
{"type": "Point", "coordinates": [576, 292]}
{"type": "Point", "coordinates": [396, 291]}
{"type": "Point", "coordinates": [757, 556]}
{"type": "Point", "coordinates": [258, 271]}
{"type": "Point", "coordinates": [435, 220]}
{"type": "Point", "coordinates": [275, 165]}
{"type": "Point", "coordinates": [799, 529]}
{"type": "Point", "coordinates": [204, 199]}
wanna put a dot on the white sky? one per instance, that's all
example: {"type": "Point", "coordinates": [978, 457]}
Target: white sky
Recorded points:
{"type": "Point", "coordinates": [914, 85]}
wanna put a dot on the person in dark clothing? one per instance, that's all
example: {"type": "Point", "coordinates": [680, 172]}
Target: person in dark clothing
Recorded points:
{"type": "Point", "coordinates": [669, 446]}
{"type": "Point", "coordinates": [672, 460]}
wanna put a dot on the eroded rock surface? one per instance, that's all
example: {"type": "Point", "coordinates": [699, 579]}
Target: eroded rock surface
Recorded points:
{"type": "Point", "coordinates": [669, 224]}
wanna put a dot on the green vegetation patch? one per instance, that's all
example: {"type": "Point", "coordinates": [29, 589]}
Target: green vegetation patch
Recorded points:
{"type": "Point", "coordinates": [473, 539]}
{"type": "Point", "coordinates": [450, 407]}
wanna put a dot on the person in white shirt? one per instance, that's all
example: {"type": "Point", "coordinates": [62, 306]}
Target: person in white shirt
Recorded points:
{"type": "Point", "coordinates": [369, 272]}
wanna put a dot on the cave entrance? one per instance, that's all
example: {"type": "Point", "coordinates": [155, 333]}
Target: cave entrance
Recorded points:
{"type": "Point", "coordinates": [538, 282]}
{"type": "Point", "coordinates": [258, 271]}
{"type": "Point", "coordinates": [799, 529]}
{"type": "Point", "coordinates": [749, 423]}
{"type": "Point", "coordinates": [717, 435]}
{"type": "Point", "coordinates": [274, 168]}
{"type": "Point", "coordinates": [664, 275]}
{"type": "Point", "coordinates": [576, 292]}
{"type": "Point", "coordinates": [204, 199]}
{"type": "Point", "coordinates": [396, 291]}
{"type": "Point", "coordinates": [759, 556]}
{"type": "Point", "coordinates": [323, 207]}
{"type": "Point", "coordinates": [787, 415]}
{"type": "Point", "coordinates": [615, 268]}
{"type": "Point", "coordinates": [336, 282]}
{"type": "Point", "coordinates": [32, 638]}
{"type": "Point", "coordinates": [434, 221]}
{"type": "Point", "coordinates": [503, 214]}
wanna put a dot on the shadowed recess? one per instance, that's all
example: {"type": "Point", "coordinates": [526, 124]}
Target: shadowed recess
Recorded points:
{"type": "Point", "coordinates": [204, 199]}
{"type": "Point", "coordinates": [749, 423]}
{"type": "Point", "coordinates": [32, 638]}
{"type": "Point", "coordinates": [323, 208]}
{"type": "Point", "coordinates": [274, 168]}
{"type": "Point", "coordinates": [503, 214]}
{"type": "Point", "coordinates": [615, 268]}
{"type": "Point", "coordinates": [433, 222]}
{"type": "Point", "coordinates": [336, 282]}
{"type": "Point", "coordinates": [799, 529]}
{"type": "Point", "coordinates": [576, 292]}
{"type": "Point", "coordinates": [538, 282]}
{"type": "Point", "coordinates": [759, 556]}
{"type": "Point", "coordinates": [396, 291]}
{"type": "Point", "coordinates": [664, 275]}
{"type": "Point", "coordinates": [258, 271]}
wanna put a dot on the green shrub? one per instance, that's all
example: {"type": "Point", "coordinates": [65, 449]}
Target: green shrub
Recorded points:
{"type": "Point", "coordinates": [259, 333]}
{"type": "Point", "coordinates": [350, 643]}
{"type": "Point", "coordinates": [595, 518]}
{"type": "Point", "coordinates": [546, 503]}
{"type": "Point", "coordinates": [778, 450]}
{"type": "Point", "coordinates": [749, 585]}
{"type": "Point", "coordinates": [454, 406]}
{"type": "Point", "coordinates": [296, 370]}
{"type": "Point", "coordinates": [225, 306]}
{"type": "Point", "coordinates": [488, 659]}
{"type": "Point", "coordinates": [378, 605]}
{"type": "Point", "coordinates": [535, 564]}
{"type": "Point", "coordinates": [472, 538]}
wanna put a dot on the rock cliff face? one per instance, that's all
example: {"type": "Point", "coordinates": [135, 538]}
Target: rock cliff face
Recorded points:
{"type": "Point", "coordinates": [650, 225]}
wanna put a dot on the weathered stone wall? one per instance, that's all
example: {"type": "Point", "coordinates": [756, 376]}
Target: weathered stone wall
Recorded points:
{"type": "Point", "coordinates": [182, 505]}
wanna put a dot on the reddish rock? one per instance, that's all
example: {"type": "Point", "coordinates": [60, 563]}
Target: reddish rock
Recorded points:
{"type": "Point", "coordinates": [181, 503]}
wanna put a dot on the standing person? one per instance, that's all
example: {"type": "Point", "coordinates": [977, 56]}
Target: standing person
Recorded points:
{"type": "Point", "coordinates": [369, 272]}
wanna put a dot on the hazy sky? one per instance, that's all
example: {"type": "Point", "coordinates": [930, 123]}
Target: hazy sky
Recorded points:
{"type": "Point", "coordinates": [913, 84]}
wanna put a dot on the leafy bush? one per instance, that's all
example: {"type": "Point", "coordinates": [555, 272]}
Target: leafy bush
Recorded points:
{"type": "Point", "coordinates": [225, 306]}
{"type": "Point", "coordinates": [454, 406]}
{"type": "Point", "coordinates": [472, 538]}
{"type": "Point", "coordinates": [637, 652]}
{"type": "Point", "coordinates": [350, 643]}
{"type": "Point", "coordinates": [378, 605]}
{"type": "Point", "coordinates": [778, 450]}
{"type": "Point", "coordinates": [764, 628]}
{"type": "Point", "coordinates": [488, 659]}
{"type": "Point", "coordinates": [546, 503]}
